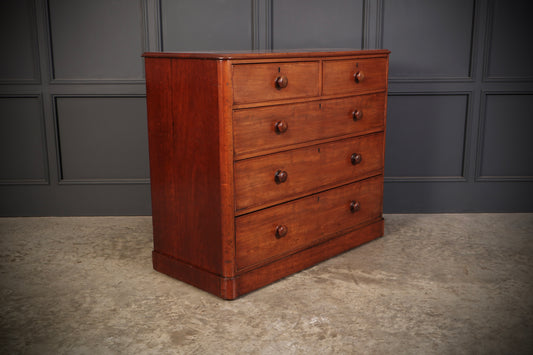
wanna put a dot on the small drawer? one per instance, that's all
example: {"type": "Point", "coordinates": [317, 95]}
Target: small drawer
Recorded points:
{"type": "Point", "coordinates": [275, 127]}
{"type": "Point", "coordinates": [274, 81]}
{"type": "Point", "coordinates": [282, 176]}
{"type": "Point", "coordinates": [281, 230]}
{"type": "Point", "coordinates": [354, 75]}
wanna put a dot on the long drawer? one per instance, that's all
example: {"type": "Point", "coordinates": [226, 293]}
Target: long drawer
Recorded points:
{"type": "Point", "coordinates": [285, 175]}
{"type": "Point", "coordinates": [286, 228]}
{"type": "Point", "coordinates": [268, 128]}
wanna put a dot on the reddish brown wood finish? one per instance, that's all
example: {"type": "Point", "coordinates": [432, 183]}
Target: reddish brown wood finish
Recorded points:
{"type": "Point", "coordinates": [255, 128]}
{"type": "Point", "coordinates": [262, 276]}
{"type": "Point", "coordinates": [183, 169]}
{"type": "Point", "coordinates": [240, 158]}
{"type": "Point", "coordinates": [260, 82]}
{"type": "Point", "coordinates": [340, 76]}
{"type": "Point", "coordinates": [227, 207]}
{"type": "Point", "coordinates": [307, 220]}
{"type": "Point", "coordinates": [309, 170]}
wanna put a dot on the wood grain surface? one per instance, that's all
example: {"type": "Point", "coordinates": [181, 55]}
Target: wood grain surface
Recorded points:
{"type": "Point", "coordinates": [309, 169]}
{"type": "Point", "coordinates": [307, 221]}
{"type": "Point", "coordinates": [339, 75]}
{"type": "Point", "coordinates": [257, 82]}
{"type": "Point", "coordinates": [255, 129]}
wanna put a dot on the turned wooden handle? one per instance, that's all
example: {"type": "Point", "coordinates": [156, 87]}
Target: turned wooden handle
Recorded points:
{"type": "Point", "coordinates": [281, 176]}
{"type": "Point", "coordinates": [281, 231]}
{"type": "Point", "coordinates": [282, 82]}
{"type": "Point", "coordinates": [281, 126]}
{"type": "Point", "coordinates": [356, 158]}
{"type": "Point", "coordinates": [357, 114]}
{"type": "Point", "coordinates": [359, 76]}
{"type": "Point", "coordinates": [354, 206]}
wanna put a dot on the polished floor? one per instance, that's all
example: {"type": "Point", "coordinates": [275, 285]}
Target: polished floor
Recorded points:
{"type": "Point", "coordinates": [434, 284]}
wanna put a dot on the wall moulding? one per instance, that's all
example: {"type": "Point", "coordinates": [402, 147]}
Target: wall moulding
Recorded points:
{"type": "Point", "coordinates": [45, 179]}
{"type": "Point", "coordinates": [62, 179]}
{"type": "Point", "coordinates": [482, 137]}
{"type": "Point", "coordinates": [466, 141]}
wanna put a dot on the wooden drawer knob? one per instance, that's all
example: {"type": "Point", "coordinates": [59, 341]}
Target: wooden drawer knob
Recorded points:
{"type": "Point", "coordinates": [281, 231]}
{"type": "Point", "coordinates": [359, 76]}
{"type": "Point", "coordinates": [356, 158]}
{"type": "Point", "coordinates": [354, 206]}
{"type": "Point", "coordinates": [282, 82]}
{"type": "Point", "coordinates": [281, 126]}
{"type": "Point", "coordinates": [357, 114]}
{"type": "Point", "coordinates": [281, 176]}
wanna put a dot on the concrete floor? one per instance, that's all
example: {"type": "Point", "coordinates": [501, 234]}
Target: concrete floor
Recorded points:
{"type": "Point", "coordinates": [435, 284]}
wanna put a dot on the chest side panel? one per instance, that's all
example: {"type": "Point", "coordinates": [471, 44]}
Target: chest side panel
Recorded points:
{"type": "Point", "coordinates": [185, 160]}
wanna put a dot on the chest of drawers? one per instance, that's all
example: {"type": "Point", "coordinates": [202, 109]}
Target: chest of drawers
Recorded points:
{"type": "Point", "coordinates": [263, 164]}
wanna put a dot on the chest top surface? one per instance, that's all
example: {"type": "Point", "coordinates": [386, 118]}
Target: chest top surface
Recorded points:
{"type": "Point", "coordinates": [267, 54]}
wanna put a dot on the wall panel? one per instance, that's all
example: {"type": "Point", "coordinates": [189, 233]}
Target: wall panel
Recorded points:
{"type": "Point", "coordinates": [22, 144]}
{"type": "Point", "coordinates": [19, 58]}
{"type": "Point", "coordinates": [509, 40]}
{"type": "Point", "coordinates": [97, 39]}
{"type": "Point", "coordinates": [102, 139]}
{"type": "Point", "coordinates": [190, 25]}
{"type": "Point", "coordinates": [428, 39]}
{"type": "Point", "coordinates": [318, 24]}
{"type": "Point", "coordinates": [425, 136]}
{"type": "Point", "coordinates": [507, 147]}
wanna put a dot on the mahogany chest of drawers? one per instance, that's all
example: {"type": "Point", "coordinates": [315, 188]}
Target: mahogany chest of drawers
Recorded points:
{"type": "Point", "coordinates": [262, 163]}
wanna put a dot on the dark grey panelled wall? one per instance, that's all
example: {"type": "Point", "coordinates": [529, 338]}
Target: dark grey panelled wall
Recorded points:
{"type": "Point", "coordinates": [73, 113]}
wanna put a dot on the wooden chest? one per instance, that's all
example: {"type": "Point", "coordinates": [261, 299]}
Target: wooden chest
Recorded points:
{"type": "Point", "coordinates": [262, 163]}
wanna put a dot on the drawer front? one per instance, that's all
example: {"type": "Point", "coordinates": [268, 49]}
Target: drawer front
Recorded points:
{"type": "Point", "coordinates": [354, 75]}
{"type": "Point", "coordinates": [267, 128]}
{"type": "Point", "coordinates": [280, 230]}
{"type": "Point", "coordinates": [282, 176]}
{"type": "Point", "coordinates": [274, 81]}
